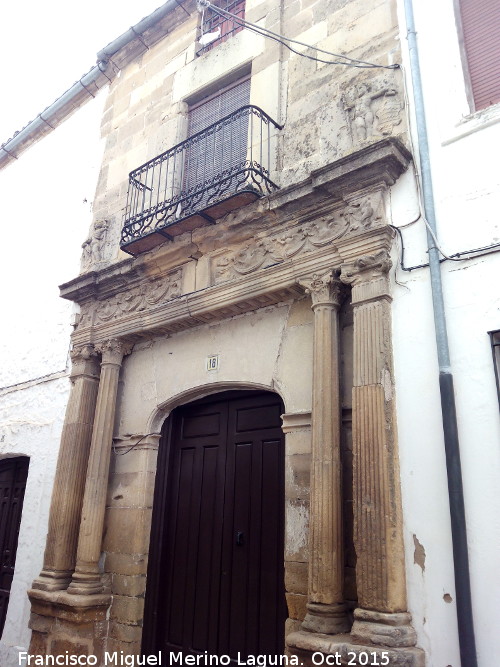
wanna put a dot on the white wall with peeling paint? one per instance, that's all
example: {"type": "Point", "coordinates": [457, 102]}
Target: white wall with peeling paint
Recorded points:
{"type": "Point", "coordinates": [46, 209]}
{"type": "Point", "coordinates": [467, 191]}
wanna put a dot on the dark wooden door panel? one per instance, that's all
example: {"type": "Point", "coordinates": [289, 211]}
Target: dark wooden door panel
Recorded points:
{"type": "Point", "coordinates": [220, 570]}
{"type": "Point", "coordinates": [13, 476]}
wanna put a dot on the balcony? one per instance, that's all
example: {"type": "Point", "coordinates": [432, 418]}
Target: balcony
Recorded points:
{"type": "Point", "coordinates": [225, 166]}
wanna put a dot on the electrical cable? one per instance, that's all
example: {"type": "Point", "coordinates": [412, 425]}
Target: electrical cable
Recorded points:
{"type": "Point", "coordinates": [131, 448]}
{"type": "Point", "coordinates": [281, 39]}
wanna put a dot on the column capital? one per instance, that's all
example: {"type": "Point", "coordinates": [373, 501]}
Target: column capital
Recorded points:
{"type": "Point", "coordinates": [368, 276]}
{"type": "Point", "coordinates": [113, 350]}
{"type": "Point", "coordinates": [84, 361]}
{"type": "Point", "coordinates": [366, 268]}
{"type": "Point", "coordinates": [325, 290]}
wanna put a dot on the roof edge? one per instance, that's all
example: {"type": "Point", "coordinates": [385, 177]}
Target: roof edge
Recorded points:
{"type": "Point", "coordinates": [84, 89]}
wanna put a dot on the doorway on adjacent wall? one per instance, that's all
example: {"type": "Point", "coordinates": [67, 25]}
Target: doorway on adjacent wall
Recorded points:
{"type": "Point", "coordinates": [13, 476]}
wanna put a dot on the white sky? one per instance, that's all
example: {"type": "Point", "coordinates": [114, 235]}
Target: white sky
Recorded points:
{"type": "Point", "coordinates": [45, 46]}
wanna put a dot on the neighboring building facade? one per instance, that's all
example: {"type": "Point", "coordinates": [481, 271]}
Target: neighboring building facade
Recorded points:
{"type": "Point", "coordinates": [243, 347]}
{"type": "Point", "coordinates": [46, 214]}
{"type": "Point", "coordinates": [462, 133]}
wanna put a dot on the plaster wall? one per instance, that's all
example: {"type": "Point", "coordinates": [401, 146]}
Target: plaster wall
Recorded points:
{"type": "Point", "coordinates": [467, 194]}
{"type": "Point", "coordinates": [46, 206]}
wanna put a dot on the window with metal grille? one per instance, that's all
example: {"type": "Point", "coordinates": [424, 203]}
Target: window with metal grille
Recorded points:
{"type": "Point", "coordinates": [221, 27]}
{"type": "Point", "coordinates": [495, 347]}
{"type": "Point", "coordinates": [226, 151]}
{"type": "Point", "coordinates": [479, 23]}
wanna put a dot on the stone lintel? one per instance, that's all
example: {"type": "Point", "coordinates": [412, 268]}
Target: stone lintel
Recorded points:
{"type": "Point", "coordinates": [63, 605]}
{"type": "Point", "coordinates": [346, 649]}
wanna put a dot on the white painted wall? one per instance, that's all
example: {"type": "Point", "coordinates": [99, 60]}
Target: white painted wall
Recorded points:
{"type": "Point", "coordinates": [46, 205]}
{"type": "Point", "coordinates": [467, 191]}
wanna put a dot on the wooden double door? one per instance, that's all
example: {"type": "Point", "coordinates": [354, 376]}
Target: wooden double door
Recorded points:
{"type": "Point", "coordinates": [215, 578]}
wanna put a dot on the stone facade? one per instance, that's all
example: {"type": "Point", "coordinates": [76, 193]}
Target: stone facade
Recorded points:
{"type": "Point", "coordinates": [292, 292]}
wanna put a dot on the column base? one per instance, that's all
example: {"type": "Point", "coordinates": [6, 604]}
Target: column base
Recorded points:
{"type": "Point", "coordinates": [344, 650]}
{"type": "Point", "coordinates": [86, 583]}
{"type": "Point", "coordinates": [65, 624]}
{"type": "Point", "coordinates": [52, 580]}
{"type": "Point", "coordinates": [383, 629]}
{"type": "Point", "coordinates": [330, 619]}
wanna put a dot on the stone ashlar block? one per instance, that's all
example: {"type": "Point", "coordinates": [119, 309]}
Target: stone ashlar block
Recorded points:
{"type": "Point", "coordinates": [298, 442]}
{"type": "Point", "coordinates": [121, 647]}
{"type": "Point", "coordinates": [127, 530]}
{"type": "Point", "coordinates": [296, 577]}
{"type": "Point", "coordinates": [125, 633]}
{"type": "Point", "coordinates": [69, 646]}
{"type": "Point", "coordinates": [297, 478]}
{"type": "Point", "coordinates": [127, 564]}
{"type": "Point", "coordinates": [131, 585]}
{"type": "Point", "coordinates": [296, 606]}
{"type": "Point", "coordinates": [127, 610]}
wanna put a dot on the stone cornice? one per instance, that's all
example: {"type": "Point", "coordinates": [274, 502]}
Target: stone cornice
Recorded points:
{"type": "Point", "coordinates": [377, 165]}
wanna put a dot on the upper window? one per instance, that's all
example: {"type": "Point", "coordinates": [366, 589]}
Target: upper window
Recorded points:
{"type": "Point", "coordinates": [216, 28]}
{"type": "Point", "coordinates": [480, 27]}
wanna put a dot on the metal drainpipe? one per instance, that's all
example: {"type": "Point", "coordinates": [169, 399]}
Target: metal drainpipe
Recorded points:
{"type": "Point", "coordinates": [449, 417]}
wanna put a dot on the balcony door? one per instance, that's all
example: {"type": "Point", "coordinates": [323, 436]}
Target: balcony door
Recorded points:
{"type": "Point", "coordinates": [215, 579]}
{"type": "Point", "coordinates": [215, 160]}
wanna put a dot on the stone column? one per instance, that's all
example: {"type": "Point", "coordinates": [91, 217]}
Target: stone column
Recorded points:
{"type": "Point", "coordinates": [326, 611]}
{"type": "Point", "coordinates": [380, 572]}
{"type": "Point", "coordinates": [86, 578]}
{"type": "Point", "coordinates": [67, 495]}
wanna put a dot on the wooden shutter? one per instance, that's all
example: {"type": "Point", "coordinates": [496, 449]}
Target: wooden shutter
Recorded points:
{"type": "Point", "coordinates": [481, 36]}
{"type": "Point", "coordinates": [224, 149]}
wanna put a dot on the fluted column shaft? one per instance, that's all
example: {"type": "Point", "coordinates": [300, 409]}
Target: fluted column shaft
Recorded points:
{"type": "Point", "coordinates": [378, 536]}
{"type": "Point", "coordinates": [326, 610]}
{"type": "Point", "coordinates": [67, 494]}
{"type": "Point", "coordinates": [86, 579]}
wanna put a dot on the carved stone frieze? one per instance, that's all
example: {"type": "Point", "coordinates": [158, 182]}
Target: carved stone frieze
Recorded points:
{"type": "Point", "coordinates": [357, 215]}
{"type": "Point", "coordinates": [139, 298]}
{"type": "Point", "coordinates": [373, 108]}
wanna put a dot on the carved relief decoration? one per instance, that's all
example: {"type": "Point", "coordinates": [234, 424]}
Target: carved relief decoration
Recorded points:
{"type": "Point", "coordinates": [373, 108]}
{"type": "Point", "coordinates": [324, 289]}
{"type": "Point", "coordinates": [113, 350]}
{"type": "Point", "coordinates": [366, 268]}
{"type": "Point", "coordinates": [264, 251]}
{"type": "Point", "coordinates": [82, 352]}
{"type": "Point", "coordinates": [95, 247]}
{"type": "Point", "coordinates": [137, 299]}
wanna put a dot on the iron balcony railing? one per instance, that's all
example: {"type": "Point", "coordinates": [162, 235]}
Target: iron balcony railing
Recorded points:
{"type": "Point", "coordinates": [214, 171]}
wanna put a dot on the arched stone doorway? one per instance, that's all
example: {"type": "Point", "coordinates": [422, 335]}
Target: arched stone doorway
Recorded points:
{"type": "Point", "coordinates": [216, 569]}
